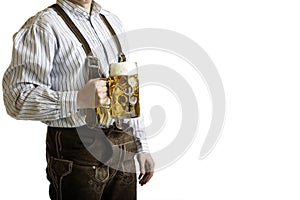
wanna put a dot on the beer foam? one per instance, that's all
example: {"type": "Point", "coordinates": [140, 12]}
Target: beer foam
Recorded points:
{"type": "Point", "coordinates": [123, 68]}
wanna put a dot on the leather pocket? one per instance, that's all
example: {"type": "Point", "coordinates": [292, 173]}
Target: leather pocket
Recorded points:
{"type": "Point", "coordinates": [60, 167]}
{"type": "Point", "coordinates": [120, 137]}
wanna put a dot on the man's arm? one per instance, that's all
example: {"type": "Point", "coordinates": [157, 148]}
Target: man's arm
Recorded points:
{"type": "Point", "coordinates": [26, 83]}
{"type": "Point", "coordinates": [145, 160]}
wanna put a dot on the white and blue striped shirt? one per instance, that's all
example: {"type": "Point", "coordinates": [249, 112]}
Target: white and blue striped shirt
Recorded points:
{"type": "Point", "coordinates": [48, 66]}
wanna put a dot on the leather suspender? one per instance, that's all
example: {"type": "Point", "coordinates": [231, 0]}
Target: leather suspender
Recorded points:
{"type": "Point", "coordinates": [79, 36]}
{"type": "Point", "coordinates": [73, 28]}
{"type": "Point", "coordinates": [121, 56]}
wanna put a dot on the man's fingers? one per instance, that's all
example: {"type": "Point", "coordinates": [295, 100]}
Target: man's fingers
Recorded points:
{"type": "Point", "coordinates": [142, 167]}
{"type": "Point", "coordinates": [146, 178]}
{"type": "Point", "coordinates": [101, 88]}
{"type": "Point", "coordinates": [148, 175]}
{"type": "Point", "coordinates": [93, 94]}
{"type": "Point", "coordinates": [101, 93]}
{"type": "Point", "coordinates": [146, 164]}
{"type": "Point", "coordinates": [141, 176]}
{"type": "Point", "coordinates": [142, 172]}
{"type": "Point", "coordinates": [103, 101]}
{"type": "Point", "coordinates": [101, 82]}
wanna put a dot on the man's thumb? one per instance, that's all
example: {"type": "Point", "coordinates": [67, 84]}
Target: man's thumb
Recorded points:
{"type": "Point", "coordinates": [142, 169]}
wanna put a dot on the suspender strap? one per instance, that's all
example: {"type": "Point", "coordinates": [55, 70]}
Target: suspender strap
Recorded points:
{"type": "Point", "coordinates": [79, 36]}
{"type": "Point", "coordinates": [73, 28]}
{"type": "Point", "coordinates": [121, 56]}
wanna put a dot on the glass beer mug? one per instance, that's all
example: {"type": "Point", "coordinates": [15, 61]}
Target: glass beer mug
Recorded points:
{"type": "Point", "coordinates": [123, 94]}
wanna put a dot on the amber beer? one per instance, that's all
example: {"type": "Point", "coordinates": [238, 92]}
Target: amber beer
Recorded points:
{"type": "Point", "coordinates": [124, 95]}
{"type": "Point", "coordinates": [124, 90]}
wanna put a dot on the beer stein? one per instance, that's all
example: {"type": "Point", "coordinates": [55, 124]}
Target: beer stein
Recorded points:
{"type": "Point", "coordinates": [123, 93]}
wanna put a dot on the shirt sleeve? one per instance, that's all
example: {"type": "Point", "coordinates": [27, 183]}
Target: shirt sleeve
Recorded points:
{"type": "Point", "coordinates": [26, 83]}
{"type": "Point", "coordinates": [140, 134]}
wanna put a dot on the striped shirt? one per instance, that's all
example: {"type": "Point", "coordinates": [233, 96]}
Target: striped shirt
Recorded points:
{"type": "Point", "coordinates": [48, 66]}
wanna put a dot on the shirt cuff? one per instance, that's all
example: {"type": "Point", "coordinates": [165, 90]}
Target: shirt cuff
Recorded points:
{"type": "Point", "coordinates": [68, 103]}
{"type": "Point", "coordinates": [142, 145]}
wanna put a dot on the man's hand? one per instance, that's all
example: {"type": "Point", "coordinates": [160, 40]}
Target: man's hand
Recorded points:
{"type": "Point", "coordinates": [93, 94]}
{"type": "Point", "coordinates": [146, 167]}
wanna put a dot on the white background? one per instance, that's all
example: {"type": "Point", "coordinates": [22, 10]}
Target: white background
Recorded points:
{"type": "Point", "coordinates": [255, 46]}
